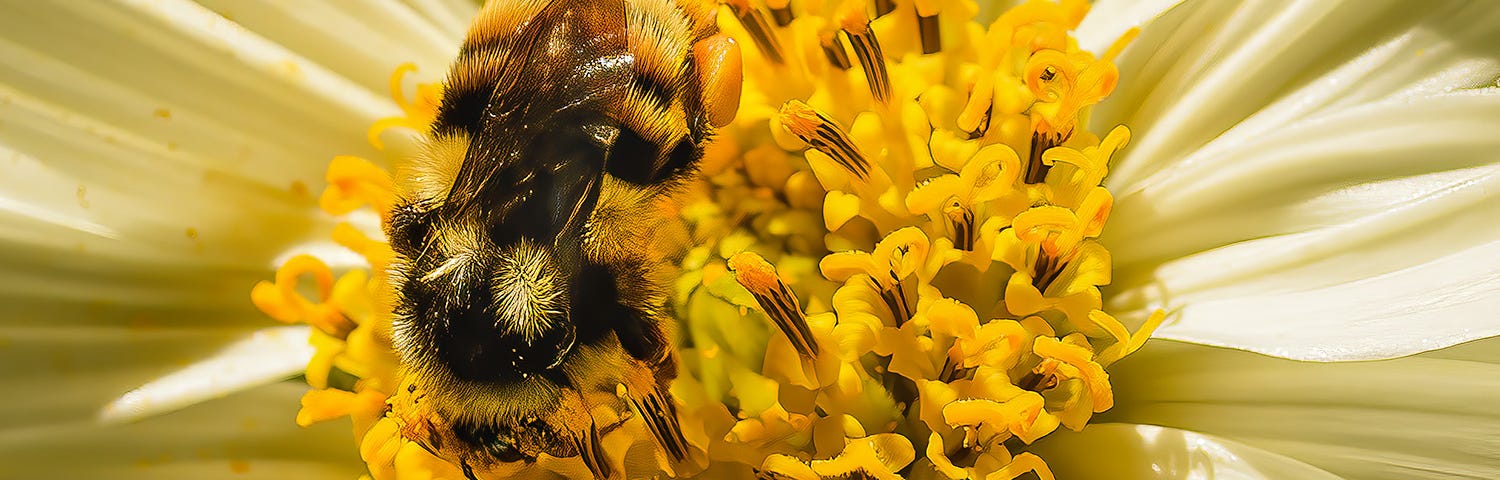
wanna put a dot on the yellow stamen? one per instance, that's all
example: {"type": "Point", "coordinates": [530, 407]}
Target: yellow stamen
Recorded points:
{"type": "Point", "coordinates": [821, 133]}
{"type": "Point", "coordinates": [1064, 83]}
{"type": "Point", "coordinates": [928, 26]}
{"type": "Point", "coordinates": [419, 111]}
{"type": "Point", "coordinates": [834, 49]}
{"type": "Point", "coordinates": [1020, 465]}
{"type": "Point", "coordinates": [354, 182]}
{"type": "Point", "coordinates": [760, 31]}
{"type": "Point", "coordinates": [1120, 44]}
{"type": "Point", "coordinates": [377, 253]}
{"type": "Point", "coordinates": [961, 221]}
{"type": "Point", "coordinates": [975, 117]}
{"type": "Point", "coordinates": [781, 11]}
{"type": "Point", "coordinates": [758, 276]}
{"type": "Point", "coordinates": [1078, 362]}
{"type": "Point", "coordinates": [281, 300]}
{"type": "Point", "coordinates": [857, 26]}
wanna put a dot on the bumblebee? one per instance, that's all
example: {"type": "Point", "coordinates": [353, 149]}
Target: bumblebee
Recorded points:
{"type": "Point", "coordinates": [529, 280]}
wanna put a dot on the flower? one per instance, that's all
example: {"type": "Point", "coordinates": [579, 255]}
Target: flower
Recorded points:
{"type": "Point", "coordinates": [1309, 177]}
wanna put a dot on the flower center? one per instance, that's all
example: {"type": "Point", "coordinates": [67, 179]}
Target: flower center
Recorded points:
{"type": "Point", "coordinates": [897, 268]}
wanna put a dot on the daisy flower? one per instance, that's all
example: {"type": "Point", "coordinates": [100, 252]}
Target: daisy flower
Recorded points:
{"type": "Point", "coordinates": [933, 245]}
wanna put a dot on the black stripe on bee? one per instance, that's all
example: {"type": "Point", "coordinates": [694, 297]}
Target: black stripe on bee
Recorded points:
{"type": "Point", "coordinates": [661, 93]}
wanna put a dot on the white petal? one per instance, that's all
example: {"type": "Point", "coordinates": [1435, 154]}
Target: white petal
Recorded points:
{"type": "Point", "coordinates": [70, 374]}
{"type": "Point", "coordinates": [1108, 20]}
{"type": "Point", "coordinates": [251, 435]}
{"type": "Point", "coordinates": [1427, 416]}
{"type": "Point", "coordinates": [265, 356]}
{"type": "Point", "coordinates": [1433, 305]}
{"type": "Point", "coordinates": [1302, 196]}
{"type": "Point", "coordinates": [1113, 451]}
{"type": "Point", "coordinates": [156, 158]}
{"type": "Point", "coordinates": [1210, 65]}
{"type": "Point", "coordinates": [363, 44]}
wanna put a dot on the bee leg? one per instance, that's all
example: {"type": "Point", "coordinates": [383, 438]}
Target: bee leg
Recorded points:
{"type": "Point", "coordinates": [660, 414]}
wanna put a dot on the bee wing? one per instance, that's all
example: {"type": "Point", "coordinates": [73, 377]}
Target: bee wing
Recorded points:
{"type": "Point", "coordinates": [537, 160]}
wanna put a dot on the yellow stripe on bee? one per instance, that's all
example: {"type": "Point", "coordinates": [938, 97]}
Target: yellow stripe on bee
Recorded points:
{"type": "Point", "coordinates": [501, 18]}
{"type": "Point", "coordinates": [659, 39]}
{"type": "Point", "coordinates": [659, 124]}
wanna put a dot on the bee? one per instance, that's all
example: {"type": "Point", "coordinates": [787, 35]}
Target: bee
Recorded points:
{"type": "Point", "coordinates": [531, 312]}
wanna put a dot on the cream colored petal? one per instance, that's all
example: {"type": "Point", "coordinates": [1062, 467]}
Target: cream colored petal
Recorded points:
{"type": "Point", "coordinates": [1323, 210]}
{"type": "Point", "coordinates": [1108, 20]}
{"type": "Point", "coordinates": [1116, 451]}
{"type": "Point", "coordinates": [246, 436]}
{"type": "Point", "coordinates": [1318, 270]}
{"type": "Point", "coordinates": [363, 44]}
{"type": "Point", "coordinates": [156, 160]}
{"type": "Point", "coordinates": [1427, 416]}
{"type": "Point", "coordinates": [1208, 67]}
{"type": "Point", "coordinates": [266, 356]}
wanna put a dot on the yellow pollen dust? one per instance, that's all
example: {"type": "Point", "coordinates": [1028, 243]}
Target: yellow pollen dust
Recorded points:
{"type": "Point", "coordinates": [928, 185]}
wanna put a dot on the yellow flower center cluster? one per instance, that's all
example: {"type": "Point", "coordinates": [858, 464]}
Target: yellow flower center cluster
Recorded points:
{"type": "Point", "coordinates": [912, 203]}
{"type": "Point", "coordinates": [897, 268]}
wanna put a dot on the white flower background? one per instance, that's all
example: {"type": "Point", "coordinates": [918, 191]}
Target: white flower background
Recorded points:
{"type": "Point", "coordinates": [1311, 180]}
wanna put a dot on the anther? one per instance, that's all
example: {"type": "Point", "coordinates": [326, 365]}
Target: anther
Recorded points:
{"type": "Point", "coordinates": [833, 48]}
{"type": "Point", "coordinates": [894, 296]}
{"type": "Point", "coordinates": [857, 26]}
{"type": "Point", "coordinates": [1041, 141]}
{"type": "Point", "coordinates": [961, 220]}
{"type": "Point", "coordinates": [953, 369]}
{"type": "Point", "coordinates": [819, 132]}
{"type": "Point", "coordinates": [1041, 378]}
{"type": "Point", "coordinates": [928, 26]}
{"type": "Point", "coordinates": [759, 29]}
{"type": "Point", "coordinates": [1046, 271]}
{"type": "Point", "coordinates": [781, 11]}
{"type": "Point", "coordinates": [975, 117]}
{"type": "Point", "coordinates": [758, 276]}
{"type": "Point", "coordinates": [883, 7]}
